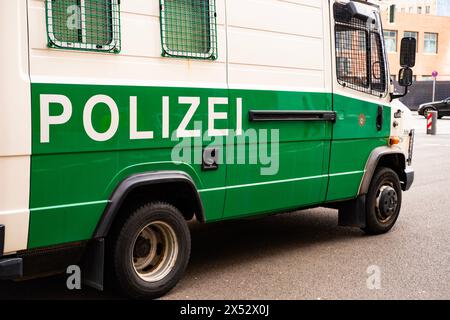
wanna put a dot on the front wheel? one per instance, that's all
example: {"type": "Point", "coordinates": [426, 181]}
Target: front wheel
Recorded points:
{"type": "Point", "coordinates": [383, 202]}
{"type": "Point", "coordinates": [151, 251]}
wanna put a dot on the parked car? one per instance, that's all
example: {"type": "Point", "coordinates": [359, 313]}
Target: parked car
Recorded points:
{"type": "Point", "coordinates": [442, 107]}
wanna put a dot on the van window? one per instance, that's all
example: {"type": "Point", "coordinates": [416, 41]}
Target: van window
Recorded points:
{"type": "Point", "coordinates": [351, 47]}
{"type": "Point", "coordinates": [378, 72]}
{"type": "Point", "coordinates": [360, 62]}
{"type": "Point", "coordinates": [188, 28]}
{"type": "Point", "coordinates": [84, 24]}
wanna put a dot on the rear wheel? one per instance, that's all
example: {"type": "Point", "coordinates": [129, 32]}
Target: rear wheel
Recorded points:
{"type": "Point", "coordinates": [151, 251]}
{"type": "Point", "coordinates": [426, 110]}
{"type": "Point", "coordinates": [383, 202]}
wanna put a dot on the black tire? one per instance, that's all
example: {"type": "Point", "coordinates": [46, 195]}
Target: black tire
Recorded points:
{"type": "Point", "coordinates": [125, 247]}
{"type": "Point", "coordinates": [426, 110]}
{"type": "Point", "coordinates": [381, 213]}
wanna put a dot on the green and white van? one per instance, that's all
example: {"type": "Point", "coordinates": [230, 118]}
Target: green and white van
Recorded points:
{"type": "Point", "coordinates": [120, 121]}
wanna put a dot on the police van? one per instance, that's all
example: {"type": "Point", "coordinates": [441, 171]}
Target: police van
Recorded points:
{"type": "Point", "coordinates": [120, 121]}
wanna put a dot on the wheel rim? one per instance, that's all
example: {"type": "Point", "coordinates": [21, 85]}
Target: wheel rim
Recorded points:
{"type": "Point", "coordinates": [386, 203]}
{"type": "Point", "coordinates": [155, 251]}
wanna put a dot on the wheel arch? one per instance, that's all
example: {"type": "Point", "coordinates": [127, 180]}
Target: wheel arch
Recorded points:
{"type": "Point", "coordinates": [383, 157]}
{"type": "Point", "coordinates": [432, 107]}
{"type": "Point", "coordinates": [175, 187]}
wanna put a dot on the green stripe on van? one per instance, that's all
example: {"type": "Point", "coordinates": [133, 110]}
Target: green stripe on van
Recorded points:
{"type": "Point", "coordinates": [73, 176]}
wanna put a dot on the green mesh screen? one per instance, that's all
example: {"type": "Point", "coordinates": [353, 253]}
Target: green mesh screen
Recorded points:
{"type": "Point", "coordinates": [188, 28]}
{"type": "Point", "coordinates": [84, 24]}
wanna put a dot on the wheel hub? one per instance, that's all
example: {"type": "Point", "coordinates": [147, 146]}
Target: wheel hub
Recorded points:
{"type": "Point", "coordinates": [142, 247]}
{"type": "Point", "coordinates": [387, 202]}
{"type": "Point", "coordinates": [155, 251]}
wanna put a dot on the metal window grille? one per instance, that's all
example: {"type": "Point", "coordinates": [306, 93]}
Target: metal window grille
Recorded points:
{"type": "Point", "coordinates": [378, 69]}
{"type": "Point", "coordinates": [188, 28]}
{"type": "Point", "coordinates": [360, 62]}
{"type": "Point", "coordinates": [84, 24]}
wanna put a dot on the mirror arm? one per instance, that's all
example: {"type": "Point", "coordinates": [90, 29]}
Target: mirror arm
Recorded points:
{"type": "Point", "coordinates": [397, 96]}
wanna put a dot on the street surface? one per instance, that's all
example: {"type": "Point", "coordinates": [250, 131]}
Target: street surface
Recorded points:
{"type": "Point", "coordinates": [305, 255]}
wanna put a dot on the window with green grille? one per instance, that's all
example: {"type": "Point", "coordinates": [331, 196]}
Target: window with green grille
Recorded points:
{"type": "Point", "coordinates": [84, 24]}
{"type": "Point", "coordinates": [188, 28]}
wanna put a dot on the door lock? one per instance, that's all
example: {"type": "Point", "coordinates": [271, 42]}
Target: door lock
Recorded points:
{"type": "Point", "coordinates": [210, 159]}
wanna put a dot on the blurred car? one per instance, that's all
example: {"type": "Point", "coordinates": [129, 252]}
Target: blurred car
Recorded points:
{"type": "Point", "coordinates": [442, 107]}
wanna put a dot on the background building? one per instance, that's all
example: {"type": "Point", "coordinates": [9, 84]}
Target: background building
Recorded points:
{"type": "Point", "coordinates": [433, 42]}
{"type": "Point", "coordinates": [429, 22]}
{"type": "Point", "coordinates": [431, 7]}
{"type": "Point", "coordinates": [426, 20]}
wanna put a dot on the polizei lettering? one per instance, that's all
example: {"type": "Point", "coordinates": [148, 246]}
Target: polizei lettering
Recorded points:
{"type": "Point", "coordinates": [189, 105]}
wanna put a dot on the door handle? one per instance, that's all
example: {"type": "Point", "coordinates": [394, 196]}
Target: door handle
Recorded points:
{"type": "Point", "coordinates": [380, 118]}
{"type": "Point", "coordinates": [290, 115]}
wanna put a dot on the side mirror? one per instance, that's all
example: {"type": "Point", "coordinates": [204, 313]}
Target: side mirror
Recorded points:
{"type": "Point", "coordinates": [408, 52]}
{"type": "Point", "coordinates": [405, 77]}
{"type": "Point", "coordinates": [407, 61]}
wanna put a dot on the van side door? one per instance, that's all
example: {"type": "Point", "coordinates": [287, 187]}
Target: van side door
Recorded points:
{"type": "Point", "coordinates": [279, 75]}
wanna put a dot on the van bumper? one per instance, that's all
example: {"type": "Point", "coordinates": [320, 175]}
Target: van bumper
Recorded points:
{"type": "Point", "coordinates": [10, 268]}
{"type": "Point", "coordinates": [409, 179]}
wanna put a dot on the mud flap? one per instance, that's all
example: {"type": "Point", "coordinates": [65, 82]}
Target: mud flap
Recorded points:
{"type": "Point", "coordinates": [93, 263]}
{"type": "Point", "coordinates": [353, 213]}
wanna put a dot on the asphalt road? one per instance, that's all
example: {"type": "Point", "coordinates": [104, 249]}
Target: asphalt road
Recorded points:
{"type": "Point", "coordinates": [304, 255]}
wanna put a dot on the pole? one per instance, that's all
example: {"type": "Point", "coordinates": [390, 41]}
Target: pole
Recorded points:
{"type": "Point", "coordinates": [434, 74]}
{"type": "Point", "coordinates": [434, 88]}
{"type": "Point", "coordinates": [432, 122]}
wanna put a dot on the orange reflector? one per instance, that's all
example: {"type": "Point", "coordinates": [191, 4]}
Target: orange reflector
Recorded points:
{"type": "Point", "coordinates": [394, 140]}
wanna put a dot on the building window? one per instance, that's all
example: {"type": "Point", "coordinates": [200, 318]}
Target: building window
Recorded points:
{"type": "Point", "coordinates": [392, 13]}
{"type": "Point", "coordinates": [410, 9]}
{"type": "Point", "coordinates": [390, 39]}
{"type": "Point", "coordinates": [412, 34]}
{"type": "Point", "coordinates": [360, 62]}
{"type": "Point", "coordinates": [427, 10]}
{"type": "Point", "coordinates": [345, 40]}
{"type": "Point", "coordinates": [84, 24]}
{"type": "Point", "coordinates": [361, 41]}
{"type": "Point", "coordinates": [188, 28]}
{"type": "Point", "coordinates": [419, 10]}
{"type": "Point", "coordinates": [402, 10]}
{"type": "Point", "coordinates": [430, 42]}
{"type": "Point", "coordinates": [344, 66]}
{"type": "Point", "coordinates": [427, 77]}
